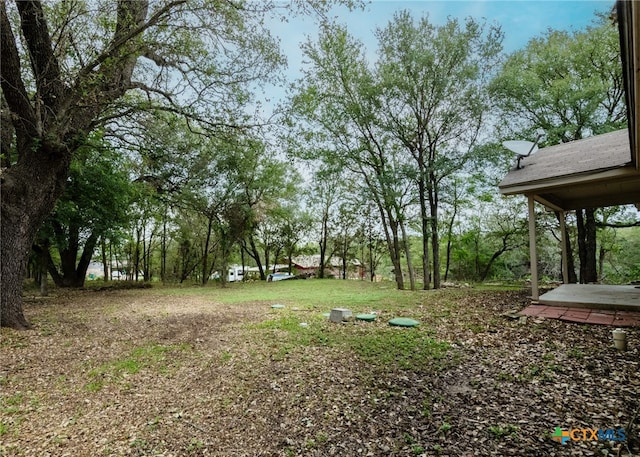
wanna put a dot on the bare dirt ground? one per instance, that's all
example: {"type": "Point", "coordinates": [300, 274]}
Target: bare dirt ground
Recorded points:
{"type": "Point", "coordinates": [140, 373]}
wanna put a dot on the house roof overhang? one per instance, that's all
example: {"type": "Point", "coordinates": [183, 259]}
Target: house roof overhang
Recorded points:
{"type": "Point", "coordinates": [589, 173]}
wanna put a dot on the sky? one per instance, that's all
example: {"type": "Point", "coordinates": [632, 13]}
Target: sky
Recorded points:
{"type": "Point", "coordinates": [521, 20]}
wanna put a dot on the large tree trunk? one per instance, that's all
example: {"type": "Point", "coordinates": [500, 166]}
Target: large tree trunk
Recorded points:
{"type": "Point", "coordinates": [324, 241]}
{"type": "Point", "coordinates": [85, 259]}
{"type": "Point", "coordinates": [255, 255]}
{"type": "Point", "coordinates": [49, 126]}
{"type": "Point", "coordinates": [12, 272]}
{"type": "Point", "coordinates": [205, 252]}
{"type": "Point", "coordinates": [29, 188]}
{"type": "Point", "coordinates": [29, 191]}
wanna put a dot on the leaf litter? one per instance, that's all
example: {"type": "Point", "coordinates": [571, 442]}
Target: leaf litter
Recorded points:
{"type": "Point", "coordinates": [144, 374]}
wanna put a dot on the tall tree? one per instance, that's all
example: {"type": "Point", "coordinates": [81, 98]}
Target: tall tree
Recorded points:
{"type": "Point", "coordinates": [434, 80]}
{"type": "Point", "coordinates": [454, 204]}
{"type": "Point", "coordinates": [372, 245]}
{"type": "Point", "coordinates": [67, 67]}
{"type": "Point", "coordinates": [570, 85]}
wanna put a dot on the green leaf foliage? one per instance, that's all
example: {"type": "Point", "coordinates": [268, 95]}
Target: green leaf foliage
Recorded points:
{"type": "Point", "coordinates": [568, 83]}
{"type": "Point", "coordinates": [96, 197]}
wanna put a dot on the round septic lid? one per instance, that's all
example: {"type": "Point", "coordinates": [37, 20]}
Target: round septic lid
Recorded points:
{"type": "Point", "coordinates": [277, 306]}
{"type": "Point", "coordinates": [366, 317]}
{"type": "Point", "coordinates": [403, 322]}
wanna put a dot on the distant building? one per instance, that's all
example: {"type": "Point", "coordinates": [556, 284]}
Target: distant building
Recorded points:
{"type": "Point", "coordinates": [310, 264]}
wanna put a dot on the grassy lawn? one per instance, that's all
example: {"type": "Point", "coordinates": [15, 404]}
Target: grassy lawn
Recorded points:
{"type": "Point", "coordinates": [308, 294]}
{"type": "Point", "coordinates": [212, 371]}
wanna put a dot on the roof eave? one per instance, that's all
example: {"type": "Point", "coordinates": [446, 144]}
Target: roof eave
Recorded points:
{"type": "Point", "coordinates": [548, 184]}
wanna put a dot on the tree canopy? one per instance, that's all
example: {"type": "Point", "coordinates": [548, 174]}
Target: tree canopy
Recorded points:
{"type": "Point", "coordinates": [414, 116]}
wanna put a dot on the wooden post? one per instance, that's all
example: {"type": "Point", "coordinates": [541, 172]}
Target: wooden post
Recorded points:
{"type": "Point", "coordinates": [563, 231]}
{"type": "Point", "coordinates": [533, 256]}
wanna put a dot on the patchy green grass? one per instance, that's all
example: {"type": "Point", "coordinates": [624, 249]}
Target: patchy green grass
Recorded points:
{"type": "Point", "coordinates": [404, 348]}
{"type": "Point", "coordinates": [313, 294]}
{"type": "Point", "coordinates": [375, 343]}
{"type": "Point", "coordinates": [503, 430]}
{"type": "Point", "coordinates": [152, 356]}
